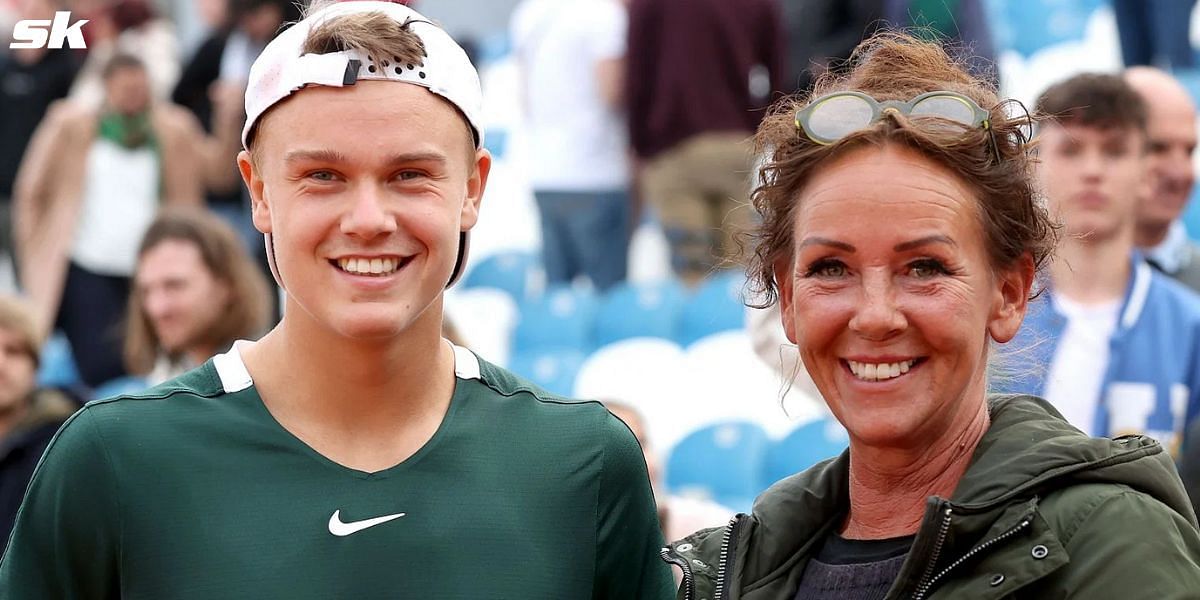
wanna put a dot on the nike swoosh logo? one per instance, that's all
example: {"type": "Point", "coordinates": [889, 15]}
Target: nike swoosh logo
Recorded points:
{"type": "Point", "coordinates": [340, 529]}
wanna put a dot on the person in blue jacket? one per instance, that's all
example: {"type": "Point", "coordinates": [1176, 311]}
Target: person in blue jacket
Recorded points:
{"type": "Point", "coordinates": [1110, 342]}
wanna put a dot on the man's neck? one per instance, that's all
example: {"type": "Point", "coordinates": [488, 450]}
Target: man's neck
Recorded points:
{"type": "Point", "coordinates": [1150, 235]}
{"type": "Point", "coordinates": [889, 487]}
{"type": "Point", "coordinates": [367, 405]}
{"type": "Point", "coordinates": [1092, 271]}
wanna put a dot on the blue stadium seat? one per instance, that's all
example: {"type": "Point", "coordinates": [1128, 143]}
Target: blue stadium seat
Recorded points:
{"type": "Point", "coordinates": [119, 386]}
{"type": "Point", "coordinates": [717, 306]}
{"type": "Point", "coordinates": [722, 462]}
{"type": "Point", "coordinates": [1031, 25]}
{"type": "Point", "coordinates": [57, 368]}
{"type": "Point", "coordinates": [553, 370]}
{"type": "Point", "coordinates": [804, 447]}
{"type": "Point", "coordinates": [563, 317]}
{"type": "Point", "coordinates": [508, 271]}
{"type": "Point", "coordinates": [639, 310]}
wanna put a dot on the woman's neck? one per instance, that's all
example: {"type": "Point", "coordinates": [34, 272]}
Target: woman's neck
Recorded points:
{"type": "Point", "coordinates": [889, 487]}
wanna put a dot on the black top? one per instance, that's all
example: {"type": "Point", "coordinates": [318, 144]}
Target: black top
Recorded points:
{"type": "Point", "coordinates": [26, 91]}
{"type": "Point", "coordinates": [853, 569]}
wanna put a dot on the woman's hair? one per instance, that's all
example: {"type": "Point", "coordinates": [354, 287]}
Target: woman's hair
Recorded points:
{"type": "Point", "coordinates": [897, 66]}
{"type": "Point", "coordinates": [249, 306]}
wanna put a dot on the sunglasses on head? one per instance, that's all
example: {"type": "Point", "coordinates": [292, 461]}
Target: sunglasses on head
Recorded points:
{"type": "Point", "coordinates": [835, 116]}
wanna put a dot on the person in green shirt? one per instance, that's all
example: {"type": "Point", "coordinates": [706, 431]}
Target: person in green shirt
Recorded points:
{"type": "Point", "coordinates": [351, 452]}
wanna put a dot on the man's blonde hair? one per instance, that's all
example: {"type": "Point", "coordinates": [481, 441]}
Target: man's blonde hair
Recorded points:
{"type": "Point", "coordinates": [16, 317]}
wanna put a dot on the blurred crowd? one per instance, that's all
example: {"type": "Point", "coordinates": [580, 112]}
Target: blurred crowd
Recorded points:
{"type": "Point", "coordinates": [125, 230]}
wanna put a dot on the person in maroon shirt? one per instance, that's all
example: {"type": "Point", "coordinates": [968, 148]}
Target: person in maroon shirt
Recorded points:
{"type": "Point", "coordinates": [700, 74]}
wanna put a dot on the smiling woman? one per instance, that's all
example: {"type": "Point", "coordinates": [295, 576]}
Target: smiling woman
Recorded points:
{"type": "Point", "coordinates": [901, 235]}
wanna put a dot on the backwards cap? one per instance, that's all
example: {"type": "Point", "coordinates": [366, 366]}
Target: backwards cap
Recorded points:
{"type": "Point", "coordinates": [282, 69]}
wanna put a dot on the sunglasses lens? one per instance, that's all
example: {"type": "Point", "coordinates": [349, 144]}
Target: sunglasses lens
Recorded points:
{"type": "Point", "coordinates": [945, 107]}
{"type": "Point", "coordinates": [835, 118]}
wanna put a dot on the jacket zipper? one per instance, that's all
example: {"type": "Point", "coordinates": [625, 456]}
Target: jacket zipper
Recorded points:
{"type": "Point", "coordinates": [727, 555]}
{"type": "Point", "coordinates": [964, 558]}
{"type": "Point", "coordinates": [926, 579]}
{"type": "Point", "coordinates": [689, 581]}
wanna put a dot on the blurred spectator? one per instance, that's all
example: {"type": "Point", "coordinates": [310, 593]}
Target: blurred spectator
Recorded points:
{"type": "Point", "coordinates": [570, 54]}
{"type": "Point", "coordinates": [1155, 32]}
{"type": "Point", "coordinates": [28, 416]}
{"type": "Point", "coordinates": [699, 75]}
{"type": "Point", "coordinates": [195, 292]}
{"type": "Point", "coordinates": [961, 24]}
{"type": "Point", "coordinates": [212, 85]}
{"type": "Point", "coordinates": [1120, 340]}
{"type": "Point", "coordinates": [821, 35]}
{"type": "Point", "coordinates": [1171, 126]}
{"type": "Point", "coordinates": [88, 188]}
{"type": "Point", "coordinates": [130, 27]}
{"type": "Point", "coordinates": [30, 79]}
{"type": "Point", "coordinates": [679, 516]}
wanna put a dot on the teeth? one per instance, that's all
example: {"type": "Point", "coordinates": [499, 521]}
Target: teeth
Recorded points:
{"type": "Point", "coordinates": [369, 266]}
{"type": "Point", "coordinates": [879, 371]}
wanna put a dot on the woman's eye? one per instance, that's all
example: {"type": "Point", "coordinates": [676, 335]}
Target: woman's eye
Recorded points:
{"type": "Point", "coordinates": [826, 269]}
{"type": "Point", "coordinates": [926, 268]}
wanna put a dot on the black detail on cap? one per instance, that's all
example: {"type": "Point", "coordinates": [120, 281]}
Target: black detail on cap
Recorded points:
{"type": "Point", "coordinates": [399, 70]}
{"type": "Point", "coordinates": [421, 74]}
{"type": "Point", "coordinates": [370, 68]}
{"type": "Point", "coordinates": [351, 74]}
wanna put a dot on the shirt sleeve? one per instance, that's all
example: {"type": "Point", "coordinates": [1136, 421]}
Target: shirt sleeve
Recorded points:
{"type": "Point", "coordinates": [607, 30]}
{"type": "Point", "coordinates": [628, 535]}
{"type": "Point", "coordinates": [65, 540]}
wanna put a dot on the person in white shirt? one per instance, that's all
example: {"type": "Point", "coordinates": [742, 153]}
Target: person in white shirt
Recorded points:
{"type": "Point", "coordinates": [570, 55]}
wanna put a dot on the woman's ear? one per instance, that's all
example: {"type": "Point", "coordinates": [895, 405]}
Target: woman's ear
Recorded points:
{"type": "Point", "coordinates": [1013, 286]}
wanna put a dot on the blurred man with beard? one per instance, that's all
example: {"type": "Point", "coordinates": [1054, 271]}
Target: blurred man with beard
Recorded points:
{"type": "Point", "coordinates": [195, 292]}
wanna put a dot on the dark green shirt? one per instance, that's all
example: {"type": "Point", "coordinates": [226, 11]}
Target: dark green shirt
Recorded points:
{"type": "Point", "coordinates": [193, 490]}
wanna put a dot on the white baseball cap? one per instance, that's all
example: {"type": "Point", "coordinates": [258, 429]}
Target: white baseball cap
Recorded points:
{"type": "Point", "coordinates": [283, 68]}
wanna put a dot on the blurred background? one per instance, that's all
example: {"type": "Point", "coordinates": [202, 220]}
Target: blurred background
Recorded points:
{"type": "Point", "coordinates": [584, 275]}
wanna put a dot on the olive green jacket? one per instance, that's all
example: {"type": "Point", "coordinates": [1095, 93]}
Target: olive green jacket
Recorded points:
{"type": "Point", "coordinates": [1042, 512]}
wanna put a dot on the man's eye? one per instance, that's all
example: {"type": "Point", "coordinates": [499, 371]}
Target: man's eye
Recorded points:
{"type": "Point", "coordinates": [321, 175]}
{"type": "Point", "coordinates": [409, 175]}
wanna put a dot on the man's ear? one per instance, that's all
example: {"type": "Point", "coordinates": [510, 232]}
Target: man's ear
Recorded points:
{"type": "Point", "coordinates": [260, 210]}
{"type": "Point", "coordinates": [783, 281]}
{"type": "Point", "coordinates": [476, 184]}
{"type": "Point", "coordinates": [1011, 300]}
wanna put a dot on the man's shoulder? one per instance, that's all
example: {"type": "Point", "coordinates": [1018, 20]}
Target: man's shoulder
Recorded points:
{"type": "Point", "coordinates": [507, 387]}
{"type": "Point", "coordinates": [166, 397]}
{"type": "Point", "coordinates": [1174, 300]}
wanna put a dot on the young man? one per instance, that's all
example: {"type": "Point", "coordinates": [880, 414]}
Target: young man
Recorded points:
{"type": "Point", "coordinates": [195, 292]}
{"type": "Point", "coordinates": [351, 452]}
{"type": "Point", "coordinates": [1119, 341]}
{"type": "Point", "coordinates": [1171, 127]}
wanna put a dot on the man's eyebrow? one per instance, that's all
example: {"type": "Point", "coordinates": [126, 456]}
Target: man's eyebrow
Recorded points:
{"type": "Point", "coordinates": [820, 241]}
{"type": "Point", "coordinates": [327, 156]}
{"type": "Point", "coordinates": [333, 156]}
{"type": "Point", "coordinates": [917, 243]}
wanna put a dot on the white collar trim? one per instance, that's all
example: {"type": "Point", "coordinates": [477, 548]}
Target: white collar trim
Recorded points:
{"type": "Point", "coordinates": [235, 377]}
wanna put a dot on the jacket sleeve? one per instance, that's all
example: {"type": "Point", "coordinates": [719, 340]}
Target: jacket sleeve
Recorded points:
{"type": "Point", "coordinates": [1133, 546]}
{"type": "Point", "coordinates": [65, 540]}
{"type": "Point", "coordinates": [628, 537]}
